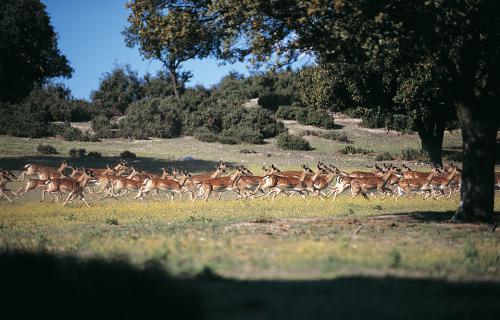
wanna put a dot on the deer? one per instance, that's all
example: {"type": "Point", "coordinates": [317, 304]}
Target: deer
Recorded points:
{"type": "Point", "coordinates": [124, 183]}
{"type": "Point", "coordinates": [371, 184]}
{"type": "Point", "coordinates": [43, 172]}
{"type": "Point", "coordinates": [249, 182]}
{"type": "Point", "coordinates": [320, 183]}
{"type": "Point", "coordinates": [276, 184]}
{"type": "Point", "coordinates": [414, 185]}
{"type": "Point", "coordinates": [221, 184]}
{"type": "Point", "coordinates": [377, 172]}
{"type": "Point", "coordinates": [441, 183]}
{"type": "Point", "coordinates": [169, 186]}
{"type": "Point", "coordinates": [106, 180]}
{"type": "Point", "coordinates": [4, 179]}
{"type": "Point", "coordinates": [195, 181]}
{"type": "Point", "coordinates": [74, 187]}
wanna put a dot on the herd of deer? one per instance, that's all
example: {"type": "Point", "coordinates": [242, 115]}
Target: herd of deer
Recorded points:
{"type": "Point", "coordinates": [324, 181]}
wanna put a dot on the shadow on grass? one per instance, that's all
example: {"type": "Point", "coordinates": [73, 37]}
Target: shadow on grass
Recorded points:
{"type": "Point", "coordinates": [44, 285]}
{"type": "Point", "coordinates": [142, 163]}
{"type": "Point", "coordinates": [435, 216]}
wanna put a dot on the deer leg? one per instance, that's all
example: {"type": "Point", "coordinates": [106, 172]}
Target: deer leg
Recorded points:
{"type": "Point", "coordinates": [69, 195]}
{"type": "Point", "coordinates": [207, 194]}
{"type": "Point", "coordinates": [2, 194]}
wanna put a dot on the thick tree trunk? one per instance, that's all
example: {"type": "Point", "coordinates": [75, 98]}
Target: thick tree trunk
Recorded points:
{"type": "Point", "coordinates": [431, 137]}
{"type": "Point", "coordinates": [479, 128]}
{"type": "Point", "coordinates": [175, 84]}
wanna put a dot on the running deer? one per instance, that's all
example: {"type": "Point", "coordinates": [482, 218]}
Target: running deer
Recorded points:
{"type": "Point", "coordinates": [441, 184]}
{"type": "Point", "coordinates": [4, 179]}
{"type": "Point", "coordinates": [411, 186]}
{"type": "Point", "coordinates": [275, 184]}
{"type": "Point", "coordinates": [221, 184]}
{"type": "Point", "coordinates": [371, 184]}
{"type": "Point", "coordinates": [195, 181]}
{"type": "Point", "coordinates": [74, 187]}
{"type": "Point", "coordinates": [43, 172]}
{"type": "Point", "coordinates": [168, 186]}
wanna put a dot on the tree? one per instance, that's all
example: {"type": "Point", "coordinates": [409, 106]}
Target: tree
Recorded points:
{"type": "Point", "coordinates": [457, 40]}
{"type": "Point", "coordinates": [169, 31]}
{"type": "Point", "coordinates": [28, 49]}
{"type": "Point", "coordinates": [116, 91]}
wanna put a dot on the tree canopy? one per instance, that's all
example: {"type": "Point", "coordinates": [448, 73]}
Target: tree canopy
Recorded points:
{"type": "Point", "coordinates": [28, 49]}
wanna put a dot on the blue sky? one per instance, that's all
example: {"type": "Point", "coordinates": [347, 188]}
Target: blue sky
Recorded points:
{"type": "Point", "coordinates": [89, 34]}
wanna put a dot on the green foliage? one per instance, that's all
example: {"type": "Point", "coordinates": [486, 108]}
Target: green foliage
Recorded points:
{"type": "Point", "coordinates": [24, 119]}
{"type": "Point", "coordinates": [128, 154]}
{"type": "Point", "coordinates": [291, 142]}
{"type": "Point", "coordinates": [354, 150]}
{"type": "Point", "coordinates": [411, 154]}
{"type": "Point", "coordinates": [314, 89]}
{"type": "Point", "coordinates": [102, 127]}
{"type": "Point", "coordinates": [117, 90]}
{"type": "Point", "coordinates": [80, 153]}
{"type": "Point", "coordinates": [46, 149]}
{"type": "Point", "coordinates": [386, 156]}
{"type": "Point", "coordinates": [305, 115]}
{"type": "Point", "coordinates": [288, 112]}
{"type": "Point", "coordinates": [330, 135]}
{"type": "Point", "coordinates": [394, 258]}
{"type": "Point", "coordinates": [152, 118]}
{"type": "Point", "coordinates": [72, 134]}
{"type": "Point", "coordinates": [28, 44]}
{"type": "Point", "coordinates": [94, 154]}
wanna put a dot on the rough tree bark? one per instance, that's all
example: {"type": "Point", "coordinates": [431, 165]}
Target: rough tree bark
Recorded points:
{"type": "Point", "coordinates": [432, 143]}
{"type": "Point", "coordinates": [175, 81]}
{"type": "Point", "coordinates": [431, 133]}
{"type": "Point", "coordinates": [479, 129]}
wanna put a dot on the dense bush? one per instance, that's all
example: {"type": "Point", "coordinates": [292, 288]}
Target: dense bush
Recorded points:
{"type": "Point", "coordinates": [330, 135]}
{"type": "Point", "coordinates": [127, 154]}
{"type": "Point", "coordinates": [354, 150]}
{"type": "Point", "coordinates": [24, 119]}
{"type": "Point", "coordinates": [386, 156]}
{"type": "Point", "coordinates": [102, 127]}
{"type": "Point", "coordinates": [94, 154]}
{"type": "Point", "coordinates": [80, 153]}
{"type": "Point", "coordinates": [413, 154]}
{"type": "Point", "coordinates": [291, 142]}
{"type": "Point", "coordinates": [72, 134]}
{"type": "Point", "coordinates": [46, 149]}
{"type": "Point", "coordinates": [288, 112]}
{"type": "Point", "coordinates": [152, 117]}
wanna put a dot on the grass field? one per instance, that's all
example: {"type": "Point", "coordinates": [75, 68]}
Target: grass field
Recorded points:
{"type": "Point", "coordinates": [287, 259]}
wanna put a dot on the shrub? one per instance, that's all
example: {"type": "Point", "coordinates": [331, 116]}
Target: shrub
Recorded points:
{"type": "Point", "coordinates": [357, 112]}
{"type": "Point", "coordinates": [274, 101]}
{"type": "Point", "coordinates": [205, 135]}
{"type": "Point", "coordinates": [318, 118]}
{"type": "Point", "coordinates": [354, 150]}
{"type": "Point", "coordinates": [386, 156]}
{"type": "Point", "coordinates": [247, 151]}
{"type": "Point", "coordinates": [46, 149]}
{"type": "Point", "coordinates": [413, 154]}
{"type": "Point", "coordinates": [374, 118]}
{"type": "Point", "coordinates": [72, 134]}
{"type": "Point", "coordinates": [153, 118]}
{"type": "Point", "coordinates": [291, 142]}
{"type": "Point", "coordinates": [102, 127]}
{"type": "Point", "coordinates": [94, 154]}
{"type": "Point", "coordinates": [334, 135]}
{"type": "Point", "coordinates": [80, 153]}
{"type": "Point", "coordinates": [127, 154]}
{"type": "Point", "coordinates": [287, 112]}
{"type": "Point", "coordinates": [394, 258]}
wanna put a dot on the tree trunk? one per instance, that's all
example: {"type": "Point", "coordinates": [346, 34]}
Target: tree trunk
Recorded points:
{"type": "Point", "coordinates": [175, 84]}
{"type": "Point", "coordinates": [479, 129]}
{"type": "Point", "coordinates": [431, 136]}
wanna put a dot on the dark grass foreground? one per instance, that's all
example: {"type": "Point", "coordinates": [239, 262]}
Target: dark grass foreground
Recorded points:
{"type": "Point", "coordinates": [44, 286]}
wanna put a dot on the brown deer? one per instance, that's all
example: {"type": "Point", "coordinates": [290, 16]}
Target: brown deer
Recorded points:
{"type": "Point", "coordinates": [371, 184]}
{"type": "Point", "coordinates": [4, 179]}
{"type": "Point", "coordinates": [74, 187]}
{"type": "Point", "coordinates": [195, 181]}
{"type": "Point", "coordinates": [169, 186]}
{"type": "Point", "coordinates": [320, 183]}
{"type": "Point", "coordinates": [275, 184]}
{"type": "Point", "coordinates": [414, 185]}
{"type": "Point", "coordinates": [248, 182]}
{"type": "Point", "coordinates": [221, 184]}
{"type": "Point", "coordinates": [441, 184]}
{"type": "Point", "coordinates": [43, 172]}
